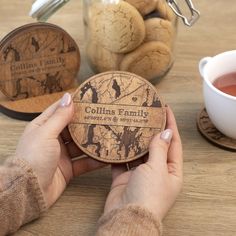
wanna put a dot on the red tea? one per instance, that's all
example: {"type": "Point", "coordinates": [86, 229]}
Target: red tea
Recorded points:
{"type": "Point", "coordinates": [226, 83]}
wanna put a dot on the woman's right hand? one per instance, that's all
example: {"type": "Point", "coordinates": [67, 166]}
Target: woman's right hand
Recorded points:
{"type": "Point", "coordinates": [155, 184]}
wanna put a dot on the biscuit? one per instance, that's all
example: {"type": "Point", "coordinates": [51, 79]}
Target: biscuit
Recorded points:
{"type": "Point", "coordinates": [161, 30]}
{"type": "Point", "coordinates": [117, 27]}
{"type": "Point", "coordinates": [165, 12]}
{"type": "Point", "coordinates": [101, 59]}
{"type": "Point", "coordinates": [150, 60]}
{"type": "Point", "coordinates": [143, 6]}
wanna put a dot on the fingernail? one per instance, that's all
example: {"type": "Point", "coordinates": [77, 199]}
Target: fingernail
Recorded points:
{"type": "Point", "coordinates": [65, 100]}
{"type": "Point", "coordinates": [166, 135]}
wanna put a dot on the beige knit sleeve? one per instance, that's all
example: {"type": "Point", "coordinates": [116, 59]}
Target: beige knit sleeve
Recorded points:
{"type": "Point", "coordinates": [21, 199]}
{"type": "Point", "coordinates": [131, 220]}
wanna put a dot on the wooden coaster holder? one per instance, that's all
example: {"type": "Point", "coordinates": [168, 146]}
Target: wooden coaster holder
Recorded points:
{"type": "Point", "coordinates": [209, 131]}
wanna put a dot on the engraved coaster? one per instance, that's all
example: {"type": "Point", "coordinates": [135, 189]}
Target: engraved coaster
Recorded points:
{"type": "Point", "coordinates": [209, 131]}
{"type": "Point", "coordinates": [116, 116]}
{"type": "Point", "coordinates": [37, 59]}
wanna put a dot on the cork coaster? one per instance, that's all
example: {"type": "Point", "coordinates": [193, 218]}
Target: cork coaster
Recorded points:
{"type": "Point", "coordinates": [37, 59]}
{"type": "Point", "coordinates": [213, 135]}
{"type": "Point", "coordinates": [29, 108]}
{"type": "Point", "coordinates": [116, 116]}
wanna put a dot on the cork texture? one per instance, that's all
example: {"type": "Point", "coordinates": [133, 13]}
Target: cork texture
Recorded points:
{"type": "Point", "coordinates": [37, 59]}
{"type": "Point", "coordinates": [116, 116]}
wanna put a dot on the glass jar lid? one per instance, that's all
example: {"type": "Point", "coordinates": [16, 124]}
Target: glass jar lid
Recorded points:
{"type": "Point", "coordinates": [43, 9]}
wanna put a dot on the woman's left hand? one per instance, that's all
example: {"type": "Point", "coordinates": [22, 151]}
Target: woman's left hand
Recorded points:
{"type": "Point", "coordinates": [49, 153]}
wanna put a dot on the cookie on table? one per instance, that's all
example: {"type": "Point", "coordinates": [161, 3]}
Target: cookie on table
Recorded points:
{"type": "Point", "coordinates": [117, 27]}
{"type": "Point", "coordinates": [161, 30]}
{"type": "Point", "coordinates": [150, 60]}
{"type": "Point", "coordinates": [143, 6]}
{"type": "Point", "coordinates": [164, 11]}
{"type": "Point", "coordinates": [101, 59]}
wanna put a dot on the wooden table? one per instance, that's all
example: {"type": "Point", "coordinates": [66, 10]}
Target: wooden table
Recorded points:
{"type": "Point", "coordinates": [207, 204]}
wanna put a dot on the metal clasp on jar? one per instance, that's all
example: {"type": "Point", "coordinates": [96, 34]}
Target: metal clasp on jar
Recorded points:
{"type": "Point", "coordinates": [195, 14]}
{"type": "Point", "coordinates": [43, 9]}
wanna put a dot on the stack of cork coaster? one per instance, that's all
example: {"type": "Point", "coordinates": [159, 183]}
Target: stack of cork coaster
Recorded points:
{"type": "Point", "coordinates": [38, 63]}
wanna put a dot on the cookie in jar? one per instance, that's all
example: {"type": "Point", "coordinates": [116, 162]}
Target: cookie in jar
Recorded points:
{"type": "Point", "coordinates": [137, 36]}
{"type": "Point", "coordinates": [130, 35]}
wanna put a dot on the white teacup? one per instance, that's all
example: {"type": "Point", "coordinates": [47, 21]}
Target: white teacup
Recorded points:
{"type": "Point", "coordinates": [220, 106]}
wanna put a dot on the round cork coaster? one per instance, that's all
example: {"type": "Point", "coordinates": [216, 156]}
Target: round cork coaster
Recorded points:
{"type": "Point", "coordinates": [116, 116]}
{"type": "Point", "coordinates": [37, 59]}
{"type": "Point", "coordinates": [209, 131]}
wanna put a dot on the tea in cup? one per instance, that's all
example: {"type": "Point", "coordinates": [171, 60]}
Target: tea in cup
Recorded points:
{"type": "Point", "coordinates": [219, 90]}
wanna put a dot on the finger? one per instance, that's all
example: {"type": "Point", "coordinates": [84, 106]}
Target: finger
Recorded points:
{"type": "Point", "coordinates": [175, 155]}
{"type": "Point", "coordinates": [60, 118]}
{"type": "Point", "coordinates": [65, 135]}
{"type": "Point", "coordinates": [158, 148]}
{"type": "Point", "coordinates": [73, 150]}
{"type": "Point", "coordinates": [42, 118]}
{"type": "Point", "coordinates": [86, 164]}
{"type": "Point", "coordinates": [171, 123]}
{"type": "Point", "coordinates": [117, 170]}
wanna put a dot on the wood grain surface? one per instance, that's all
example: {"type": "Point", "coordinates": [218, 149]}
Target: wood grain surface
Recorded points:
{"type": "Point", "coordinates": [207, 204]}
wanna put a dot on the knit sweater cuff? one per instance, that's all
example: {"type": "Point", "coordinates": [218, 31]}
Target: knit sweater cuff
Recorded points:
{"type": "Point", "coordinates": [129, 220]}
{"type": "Point", "coordinates": [21, 198]}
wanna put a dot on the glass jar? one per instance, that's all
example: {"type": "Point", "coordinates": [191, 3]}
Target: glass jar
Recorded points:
{"type": "Point", "coordinates": [129, 35]}
{"type": "Point", "coordinates": [133, 35]}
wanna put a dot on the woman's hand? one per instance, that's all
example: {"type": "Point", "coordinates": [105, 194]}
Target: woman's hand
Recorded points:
{"type": "Point", "coordinates": [49, 153]}
{"type": "Point", "coordinates": [156, 184]}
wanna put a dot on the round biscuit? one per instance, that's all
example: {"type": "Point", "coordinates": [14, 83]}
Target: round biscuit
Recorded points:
{"type": "Point", "coordinates": [143, 6]}
{"type": "Point", "coordinates": [151, 60]}
{"type": "Point", "coordinates": [161, 30]}
{"type": "Point", "coordinates": [165, 12]}
{"type": "Point", "coordinates": [117, 27]}
{"type": "Point", "coordinates": [101, 59]}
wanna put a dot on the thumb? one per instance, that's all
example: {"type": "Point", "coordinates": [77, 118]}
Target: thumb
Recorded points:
{"type": "Point", "coordinates": [61, 117]}
{"type": "Point", "coordinates": [158, 148]}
